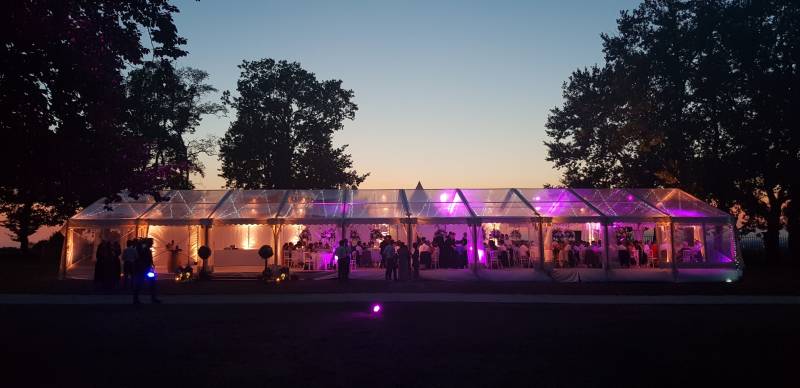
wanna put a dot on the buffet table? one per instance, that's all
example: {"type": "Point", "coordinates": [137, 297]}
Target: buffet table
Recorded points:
{"type": "Point", "coordinates": [236, 257]}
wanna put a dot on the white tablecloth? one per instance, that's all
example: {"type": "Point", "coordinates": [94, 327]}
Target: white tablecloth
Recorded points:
{"type": "Point", "coordinates": [228, 257]}
{"type": "Point", "coordinates": [320, 260]}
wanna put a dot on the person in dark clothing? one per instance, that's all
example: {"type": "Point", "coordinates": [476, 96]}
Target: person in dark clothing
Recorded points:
{"type": "Point", "coordinates": [415, 261]}
{"type": "Point", "coordinates": [114, 267]}
{"type": "Point", "coordinates": [438, 241]}
{"type": "Point", "coordinates": [101, 263]}
{"type": "Point", "coordinates": [342, 254]}
{"type": "Point", "coordinates": [141, 268]}
{"type": "Point", "coordinates": [390, 260]}
{"type": "Point", "coordinates": [449, 251]}
{"type": "Point", "coordinates": [403, 261]}
{"type": "Point", "coordinates": [129, 256]}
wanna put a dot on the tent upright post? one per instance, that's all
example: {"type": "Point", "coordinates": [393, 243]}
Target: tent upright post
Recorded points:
{"type": "Point", "coordinates": [607, 258]}
{"type": "Point", "coordinates": [476, 252]}
{"type": "Point", "coordinates": [62, 265]}
{"type": "Point", "coordinates": [672, 250]}
{"type": "Point", "coordinates": [541, 244]}
{"type": "Point", "coordinates": [276, 229]}
{"type": "Point", "coordinates": [705, 242]}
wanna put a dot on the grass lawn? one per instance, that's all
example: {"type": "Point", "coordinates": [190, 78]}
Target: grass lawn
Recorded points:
{"type": "Point", "coordinates": [425, 345]}
{"type": "Point", "coordinates": [39, 276]}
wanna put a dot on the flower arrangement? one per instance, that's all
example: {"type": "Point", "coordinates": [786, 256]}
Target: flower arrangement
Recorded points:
{"type": "Point", "coordinates": [624, 233]}
{"type": "Point", "coordinates": [354, 235]}
{"type": "Point", "coordinates": [305, 235]}
{"type": "Point", "coordinates": [495, 234]}
{"type": "Point", "coordinates": [515, 234]}
{"type": "Point", "coordinates": [375, 234]}
{"type": "Point", "coordinates": [329, 234]}
{"type": "Point", "coordinates": [558, 235]}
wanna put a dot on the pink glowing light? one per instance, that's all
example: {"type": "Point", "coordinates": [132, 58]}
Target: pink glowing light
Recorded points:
{"type": "Point", "coordinates": [480, 255]}
{"type": "Point", "coordinates": [443, 197]}
{"type": "Point", "coordinates": [452, 206]}
{"type": "Point", "coordinates": [376, 308]}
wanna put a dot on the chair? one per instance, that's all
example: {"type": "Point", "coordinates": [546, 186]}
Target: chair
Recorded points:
{"type": "Point", "coordinates": [308, 261]}
{"type": "Point", "coordinates": [435, 259]}
{"type": "Point", "coordinates": [524, 260]}
{"type": "Point", "coordinates": [494, 260]}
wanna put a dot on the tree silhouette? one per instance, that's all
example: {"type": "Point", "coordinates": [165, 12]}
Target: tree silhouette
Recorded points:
{"type": "Point", "coordinates": [693, 94]}
{"type": "Point", "coordinates": [282, 134]}
{"type": "Point", "coordinates": [62, 103]}
{"type": "Point", "coordinates": [164, 105]}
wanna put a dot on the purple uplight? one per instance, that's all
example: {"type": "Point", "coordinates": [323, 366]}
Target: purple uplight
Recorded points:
{"type": "Point", "coordinates": [629, 197]}
{"type": "Point", "coordinates": [376, 308]}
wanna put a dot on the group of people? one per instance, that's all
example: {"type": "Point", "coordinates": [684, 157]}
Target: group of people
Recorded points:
{"type": "Point", "coordinates": [136, 263]}
{"type": "Point", "coordinates": [509, 253]}
{"type": "Point", "coordinates": [571, 254]}
{"type": "Point", "coordinates": [396, 259]}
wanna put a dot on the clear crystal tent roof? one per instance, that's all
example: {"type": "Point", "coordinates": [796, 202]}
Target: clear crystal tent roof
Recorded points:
{"type": "Point", "coordinates": [453, 205]}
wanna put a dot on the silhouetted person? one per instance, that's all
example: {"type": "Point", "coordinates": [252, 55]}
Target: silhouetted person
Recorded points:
{"type": "Point", "coordinates": [100, 263]}
{"type": "Point", "coordinates": [390, 261]}
{"type": "Point", "coordinates": [403, 261]}
{"type": "Point", "coordinates": [415, 261]}
{"type": "Point", "coordinates": [141, 268]}
{"type": "Point", "coordinates": [342, 254]}
{"type": "Point", "coordinates": [129, 257]}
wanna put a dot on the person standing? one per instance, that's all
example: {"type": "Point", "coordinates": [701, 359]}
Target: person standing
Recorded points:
{"type": "Point", "coordinates": [342, 254]}
{"type": "Point", "coordinates": [404, 261]}
{"type": "Point", "coordinates": [390, 259]}
{"type": "Point", "coordinates": [141, 270]}
{"type": "Point", "coordinates": [425, 253]}
{"type": "Point", "coordinates": [415, 261]}
{"type": "Point", "coordinates": [101, 263]}
{"type": "Point", "coordinates": [129, 257]}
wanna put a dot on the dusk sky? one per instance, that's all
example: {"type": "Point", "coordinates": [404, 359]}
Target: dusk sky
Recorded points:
{"type": "Point", "coordinates": [454, 94]}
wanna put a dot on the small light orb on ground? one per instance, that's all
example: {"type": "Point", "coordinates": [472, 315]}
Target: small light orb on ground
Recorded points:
{"type": "Point", "coordinates": [151, 274]}
{"type": "Point", "coordinates": [728, 280]}
{"type": "Point", "coordinates": [376, 308]}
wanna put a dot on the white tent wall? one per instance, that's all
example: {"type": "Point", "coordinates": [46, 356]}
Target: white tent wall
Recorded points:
{"type": "Point", "coordinates": [81, 247]}
{"type": "Point", "coordinates": [246, 238]}
{"type": "Point", "coordinates": [185, 237]}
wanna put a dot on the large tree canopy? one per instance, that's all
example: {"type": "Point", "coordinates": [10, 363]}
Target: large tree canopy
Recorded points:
{"type": "Point", "coordinates": [282, 134]}
{"type": "Point", "coordinates": [700, 95]}
{"type": "Point", "coordinates": [163, 106]}
{"type": "Point", "coordinates": [61, 103]}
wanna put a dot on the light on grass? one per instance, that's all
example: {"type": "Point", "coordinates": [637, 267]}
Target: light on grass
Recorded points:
{"type": "Point", "coordinates": [728, 280]}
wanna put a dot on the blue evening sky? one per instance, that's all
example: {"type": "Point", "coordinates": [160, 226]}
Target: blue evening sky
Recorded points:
{"type": "Point", "coordinates": [451, 93]}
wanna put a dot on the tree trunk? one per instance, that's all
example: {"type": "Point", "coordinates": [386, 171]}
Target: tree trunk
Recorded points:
{"type": "Point", "coordinates": [24, 227]}
{"type": "Point", "coordinates": [792, 213]}
{"type": "Point", "coordinates": [771, 235]}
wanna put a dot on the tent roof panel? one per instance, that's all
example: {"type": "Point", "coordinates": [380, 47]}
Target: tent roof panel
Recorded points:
{"type": "Point", "coordinates": [436, 203]}
{"type": "Point", "coordinates": [424, 205]}
{"type": "Point", "coordinates": [618, 203]}
{"type": "Point", "coordinates": [249, 205]}
{"type": "Point", "coordinates": [497, 203]}
{"type": "Point", "coordinates": [128, 208]}
{"type": "Point", "coordinates": [678, 203]}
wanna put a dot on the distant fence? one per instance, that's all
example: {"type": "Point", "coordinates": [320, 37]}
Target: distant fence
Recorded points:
{"type": "Point", "coordinates": [755, 242]}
